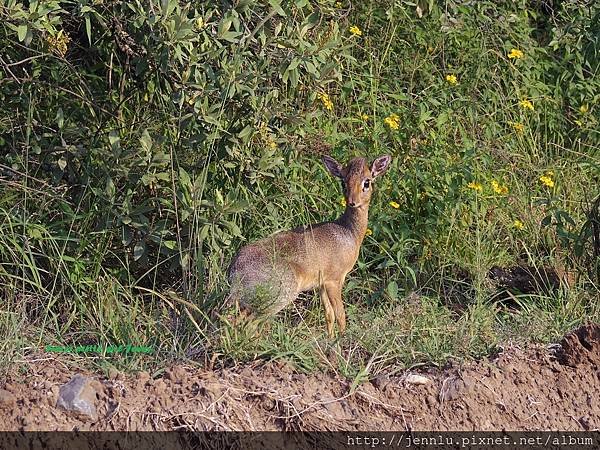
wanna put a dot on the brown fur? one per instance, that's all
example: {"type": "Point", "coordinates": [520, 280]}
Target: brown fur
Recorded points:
{"type": "Point", "coordinates": [269, 274]}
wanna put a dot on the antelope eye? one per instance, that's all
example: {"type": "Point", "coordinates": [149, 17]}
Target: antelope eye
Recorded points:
{"type": "Point", "coordinates": [366, 184]}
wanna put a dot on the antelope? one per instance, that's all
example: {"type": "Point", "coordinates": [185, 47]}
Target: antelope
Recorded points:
{"type": "Point", "coordinates": [266, 275]}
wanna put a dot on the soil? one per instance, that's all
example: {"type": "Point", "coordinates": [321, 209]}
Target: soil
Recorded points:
{"type": "Point", "coordinates": [538, 388]}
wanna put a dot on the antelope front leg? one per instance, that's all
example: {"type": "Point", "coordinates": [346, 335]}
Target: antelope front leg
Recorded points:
{"type": "Point", "coordinates": [334, 292]}
{"type": "Point", "coordinates": [329, 311]}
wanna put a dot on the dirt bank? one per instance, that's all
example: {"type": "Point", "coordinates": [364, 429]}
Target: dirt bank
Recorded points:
{"type": "Point", "coordinates": [520, 389]}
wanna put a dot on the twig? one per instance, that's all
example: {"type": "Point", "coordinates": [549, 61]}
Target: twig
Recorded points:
{"type": "Point", "coordinates": [7, 67]}
{"type": "Point", "coordinates": [298, 414]}
{"type": "Point", "coordinates": [23, 61]}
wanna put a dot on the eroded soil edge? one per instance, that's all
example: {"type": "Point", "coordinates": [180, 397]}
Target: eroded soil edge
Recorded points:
{"type": "Point", "coordinates": [531, 389]}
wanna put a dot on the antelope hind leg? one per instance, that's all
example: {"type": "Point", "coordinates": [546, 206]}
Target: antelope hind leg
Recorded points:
{"type": "Point", "coordinates": [329, 312]}
{"type": "Point", "coordinates": [334, 292]}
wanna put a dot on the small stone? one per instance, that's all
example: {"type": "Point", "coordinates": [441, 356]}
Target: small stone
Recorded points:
{"type": "Point", "coordinates": [455, 387]}
{"type": "Point", "coordinates": [7, 400]}
{"type": "Point", "coordinates": [585, 422]}
{"type": "Point", "coordinates": [380, 381]}
{"type": "Point", "coordinates": [78, 396]}
{"type": "Point", "coordinates": [415, 379]}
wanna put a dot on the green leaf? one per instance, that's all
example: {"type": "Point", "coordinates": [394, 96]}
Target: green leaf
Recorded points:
{"type": "Point", "coordinates": [413, 275]}
{"type": "Point", "coordinates": [110, 188]}
{"type": "Point", "coordinates": [233, 228]}
{"type": "Point", "coordinates": [311, 68]}
{"type": "Point", "coordinates": [245, 132]}
{"type": "Point", "coordinates": [22, 32]}
{"type": "Point", "coordinates": [204, 232]}
{"type": "Point", "coordinates": [146, 141]}
{"type": "Point", "coordinates": [231, 36]}
{"type": "Point", "coordinates": [170, 244]}
{"type": "Point", "coordinates": [114, 139]}
{"type": "Point", "coordinates": [60, 118]}
{"type": "Point", "coordinates": [34, 233]}
{"type": "Point", "coordinates": [126, 237]}
{"type": "Point", "coordinates": [275, 4]}
{"type": "Point", "coordinates": [139, 250]}
{"type": "Point", "coordinates": [546, 221]}
{"type": "Point", "coordinates": [224, 26]}
{"type": "Point", "coordinates": [88, 29]}
{"type": "Point", "coordinates": [392, 290]}
{"type": "Point", "coordinates": [218, 197]}
{"type": "Point", "coordinates": [164, 6]}
{"type": "Point", "coordinates": [184, 177]}
{"type": "Point", "coordinates": [295, 62]}
{"type": "Point", "coordinates": [236, 207]}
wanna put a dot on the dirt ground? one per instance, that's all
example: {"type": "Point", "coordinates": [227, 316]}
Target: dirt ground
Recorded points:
{"type": "Point", "coordinates": [555, 388]}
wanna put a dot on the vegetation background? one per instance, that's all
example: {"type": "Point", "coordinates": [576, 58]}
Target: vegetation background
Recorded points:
{"type": "Point", "coordinates": [143, 142]}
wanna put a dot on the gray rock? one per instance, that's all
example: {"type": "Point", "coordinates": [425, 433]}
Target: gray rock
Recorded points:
{"type": "Point", "coordinates": [455, 387]}
{"type": "Point", "coordinates": [78, 396]}
{"type": "Point", "coordinates": [416, 379]}
{"type": "Point", "coordinates": [381, 381]}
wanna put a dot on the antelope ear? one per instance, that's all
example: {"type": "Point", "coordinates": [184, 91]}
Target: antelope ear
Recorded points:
{"type": "Point", "coordinates": [380, 165]}
{"type": "Point", "coordinates": [332, 166]}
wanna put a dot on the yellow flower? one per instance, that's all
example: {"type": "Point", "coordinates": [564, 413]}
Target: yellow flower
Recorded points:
{"type": "Point", "coordinates": [394, 205]}
{"type": "Point", "coordinates": [547, 180]}
{"type": "Point", "coordinates": [272, 144]}
{"type": "Point", "coordinates": [526, 104]}
{"type": "Point", "coordinates": [199, 23]}
{"type": "Point", "coordinates": [369, 232]}
{"type": "Point", "coordinates": [584, 108]}
{"type": "Point", "coordinates": [343, 202]}
{"type": "Point", "coordinates": [338, 4]}
{"type": "Point", "coordinates": [515, 54]}
{"type": "Point", "coordinates": [452, 79]}
{"type": "Point", "coordinates": [59, 43]}
{"type": "Point", "coordinates": [498, 189]}
{"type": "Point", "coordinates": [355, 30]}
{"type": "Point", "coordinates": [364, 117]}
{"type": "Point", "coordinates": [519, 127]}
{"type": "Point", "coordinates": [475, 186]}
{"type": "Point", "coordinates": [518, 224]}
{"type": "Point", "coordinates": [392, 121]}
{"type": "Point", "coordinates": [327, 103]}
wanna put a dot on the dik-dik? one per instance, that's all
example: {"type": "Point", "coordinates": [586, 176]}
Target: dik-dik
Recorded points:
{"type": "Point", "coordinates": [269, 274]}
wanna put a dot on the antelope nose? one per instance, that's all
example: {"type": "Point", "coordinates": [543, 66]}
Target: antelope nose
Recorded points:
{"type": "Point", "coordinates": [351, 204]}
